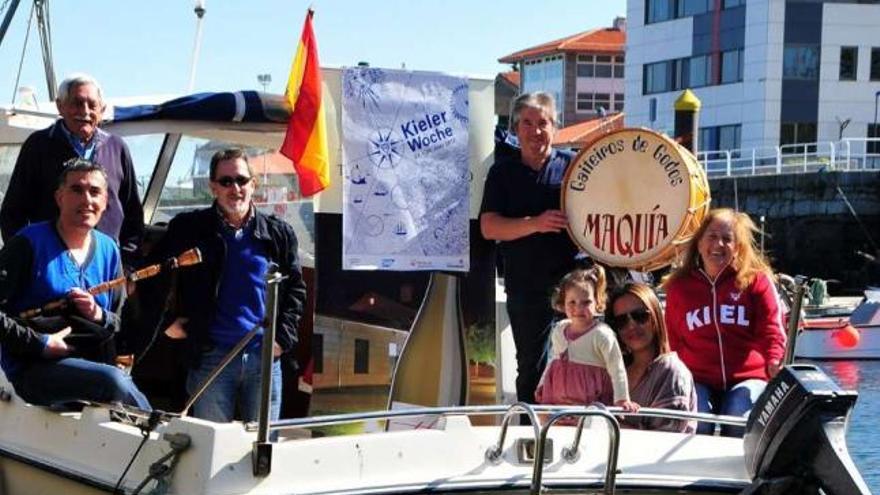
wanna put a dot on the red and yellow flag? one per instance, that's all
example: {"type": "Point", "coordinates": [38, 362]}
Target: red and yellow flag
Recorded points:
{"type": "Point", "coordinates": [306, 139]}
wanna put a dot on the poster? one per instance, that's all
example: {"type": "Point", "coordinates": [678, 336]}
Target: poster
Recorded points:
{"type": "Point", "coordinates": [405, 170]}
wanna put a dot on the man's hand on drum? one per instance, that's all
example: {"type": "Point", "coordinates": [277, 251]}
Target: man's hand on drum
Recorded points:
{"type": "Point", "coordinates": [549, 221]}
{"type": "Point", "coordinates": [85, 304]}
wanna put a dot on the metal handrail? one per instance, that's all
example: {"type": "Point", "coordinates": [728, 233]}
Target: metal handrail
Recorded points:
{"type": "Point", "coordinates": [613, 446]}
{"type": "Point", "coordinates": [493, 454]}
{"type": "Point", "coordinates": [360, 417]}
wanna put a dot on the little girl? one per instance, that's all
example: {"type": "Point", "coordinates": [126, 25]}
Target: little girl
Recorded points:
{"type": "Point", "coordinates": [585, 361]}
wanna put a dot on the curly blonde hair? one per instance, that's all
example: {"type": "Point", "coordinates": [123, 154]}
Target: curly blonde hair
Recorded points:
{"type": "Point", "coordinates": [584, 279]}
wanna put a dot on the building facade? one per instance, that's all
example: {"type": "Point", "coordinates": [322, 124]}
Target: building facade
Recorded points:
{"type": "Point", "coordinates": [768, 72]}
{"type": "Point", "coordinates": [584, 72]}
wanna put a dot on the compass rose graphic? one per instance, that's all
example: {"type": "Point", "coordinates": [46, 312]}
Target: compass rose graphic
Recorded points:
{"type": "Point", "coordinates": [384, 149]}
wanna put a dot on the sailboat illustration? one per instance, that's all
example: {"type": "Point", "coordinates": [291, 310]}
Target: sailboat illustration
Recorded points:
{"type": "Point", "coordinates": [357, 177]}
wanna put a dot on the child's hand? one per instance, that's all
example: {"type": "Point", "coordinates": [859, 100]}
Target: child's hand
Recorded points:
{"type": "Point", "coordinates": [627, 405]}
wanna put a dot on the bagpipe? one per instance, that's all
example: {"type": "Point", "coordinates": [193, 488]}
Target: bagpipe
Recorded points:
{"type": "Point", "coordinates": [88, 339]}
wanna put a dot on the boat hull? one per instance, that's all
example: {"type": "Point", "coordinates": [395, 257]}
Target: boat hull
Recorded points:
{"type": "Point", "coordinates": [822, 343]}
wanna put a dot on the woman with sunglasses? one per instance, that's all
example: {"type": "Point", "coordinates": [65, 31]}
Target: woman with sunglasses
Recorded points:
{"type": "Point", "coordinates": [723, 317]}
{"type": "Point", "coordinates": [656, 377]}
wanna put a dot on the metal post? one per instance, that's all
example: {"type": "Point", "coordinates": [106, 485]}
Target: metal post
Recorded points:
{"type": "Point", "coordinates": [876, 99]}
{"type": "Point", "coordinates": [794, 319]}
{"type": "Point", "coordinates": [42, 11]}
{"type": "Point", "coordinates": [876, 133]}
{"type": "Point", "coordinates": [12, 7]}
{"type": "Point", "coordinates": [763, 234]}
{"type": "Point", "coordinates": [262, 451]}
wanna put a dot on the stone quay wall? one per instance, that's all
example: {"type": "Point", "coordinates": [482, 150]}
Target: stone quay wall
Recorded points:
{"type": "Point", "coordinates": [810, 230]}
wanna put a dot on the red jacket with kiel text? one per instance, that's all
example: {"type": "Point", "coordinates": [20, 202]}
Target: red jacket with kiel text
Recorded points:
{"type": "Point", "coordinates": [724, 335]}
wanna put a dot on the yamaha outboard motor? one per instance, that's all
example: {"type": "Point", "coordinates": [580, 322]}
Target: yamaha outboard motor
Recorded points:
{"type": "Point", "coordinates": [795, 439]}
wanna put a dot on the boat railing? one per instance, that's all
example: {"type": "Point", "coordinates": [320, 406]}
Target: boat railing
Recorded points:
{"type": "Point", "coordinates": [485, 410]}
{"type": "Point", "coordinates": [570, 453]}
{"type": "Point", "coordinates": [540, 430]}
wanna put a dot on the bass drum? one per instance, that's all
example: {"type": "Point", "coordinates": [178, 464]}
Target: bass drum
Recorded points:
{"type": "Point", "coordinates": [634, 198]}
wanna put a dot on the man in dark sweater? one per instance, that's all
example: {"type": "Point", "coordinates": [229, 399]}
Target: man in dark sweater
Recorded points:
{"type": "Point", "coordinates": [29, 197]}
{"type": "Point", "coordinates": [221, 299]}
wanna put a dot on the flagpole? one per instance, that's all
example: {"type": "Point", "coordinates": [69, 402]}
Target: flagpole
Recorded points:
{"type": "Point", "coordinates": [200, 13]}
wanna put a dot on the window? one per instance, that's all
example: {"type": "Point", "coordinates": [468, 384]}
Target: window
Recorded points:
{"type": "Point", "coordinates": [659, 10]}
{"type": "Point", "coordinates": [717, 138]}
{"type": "Point", "coordinates": [729, 137]}
{"type": "Point", "coordinates": [590, 102]}
{"type": "Point", "coordinates": [618, 102]}
{"type": "Point", "coordinates": [699, 71]}
{"type": "Point", "coordinates": [585, 68]}
{"type": "Point", "coordinates": [664, 10]}
{"type": "Point", "coordinates": [687, 8]}
{"type": "Point", "coordinates": [849, 62]}
{"type": "Point", "coordinates": [797, 132]}
{"type": "Point", "coordinates": [800, 62]}
{"type": "Point", "coordinates": [361, 356]}
{"type": "Point", "coordinates": [658, 77]}
{"type": "Point", "coordinates": [875, 64]}
{"type": "Point", "coordinates": [605, 66]}
{"type": "Point", "coordinates": [729, 4]}
{"type": "Point", "coordinates": [318, 352]}
{"type": "Point", "coordinates": [731, 66]}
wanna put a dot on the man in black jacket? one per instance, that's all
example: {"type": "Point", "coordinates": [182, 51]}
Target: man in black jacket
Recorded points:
{"type": "Point", "coordinates": [220, 300]}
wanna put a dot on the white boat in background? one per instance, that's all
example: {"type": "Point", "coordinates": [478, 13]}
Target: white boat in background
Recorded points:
{"type": "Point", "coordinates": [853, 336]}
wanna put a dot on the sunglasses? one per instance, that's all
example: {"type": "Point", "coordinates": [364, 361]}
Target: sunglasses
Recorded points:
{"type": "Point", "coordinates": [639, 316]}
{"type": "Point", "coordinates": [227, 181]}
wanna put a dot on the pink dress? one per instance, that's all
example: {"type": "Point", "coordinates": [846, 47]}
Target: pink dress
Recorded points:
{"type": "Point", "coordinates": [578, 371]}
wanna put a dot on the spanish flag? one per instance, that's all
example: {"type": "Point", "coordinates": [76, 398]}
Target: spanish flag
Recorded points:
{"type": "Point", "coordinates": [306, 139]}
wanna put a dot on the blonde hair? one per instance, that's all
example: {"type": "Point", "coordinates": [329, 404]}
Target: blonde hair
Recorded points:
{"type": "Point", "coordinates": [646, 295]}
{"type": "Point", "coordinates": [584, 279]}
{"type": "Point", "coordinates": [747, 261]}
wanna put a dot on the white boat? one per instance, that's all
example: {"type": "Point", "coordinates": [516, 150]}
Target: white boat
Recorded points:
{"type": "Point", "coordinates": [856, 336]}
{"type": "Point", "coordinates": [92, 451]}
{"type": "Point", "coordinates": [99, 451]}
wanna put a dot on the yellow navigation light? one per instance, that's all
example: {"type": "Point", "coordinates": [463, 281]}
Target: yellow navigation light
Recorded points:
{"type": "Point", "coordinates": [688, 101]}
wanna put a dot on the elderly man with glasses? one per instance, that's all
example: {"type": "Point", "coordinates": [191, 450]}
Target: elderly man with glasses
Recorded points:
{"type": "Point", "coordinates": [220, 300]}
{"type": "Point", "coordinates": [29, 196]}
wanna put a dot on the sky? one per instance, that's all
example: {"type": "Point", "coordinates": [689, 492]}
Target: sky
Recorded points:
{"type": "Point", "coordinates": [145, 47]}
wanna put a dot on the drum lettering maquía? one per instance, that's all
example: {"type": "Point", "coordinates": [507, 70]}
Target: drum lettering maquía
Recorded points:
{"type": "Point", "coordinates": [634, 198]}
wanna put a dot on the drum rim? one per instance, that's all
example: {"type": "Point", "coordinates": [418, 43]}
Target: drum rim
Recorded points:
{"type": "Point", "coordinates": [663, 257]}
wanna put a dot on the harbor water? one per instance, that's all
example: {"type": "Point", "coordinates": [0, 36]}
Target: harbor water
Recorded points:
{"type": "Point", "coordinates": [863, 437]}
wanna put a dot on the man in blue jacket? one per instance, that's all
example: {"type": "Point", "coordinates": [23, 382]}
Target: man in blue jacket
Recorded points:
{"type": "Point", "coordinates": [60, 260]}
{"type": "Point", "coordinates": [220, 300]}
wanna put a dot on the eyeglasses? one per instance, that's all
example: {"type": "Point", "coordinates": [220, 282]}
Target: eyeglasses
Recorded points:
{"type": "Point", "coordinates": [639, 316]}
{"type": "Point", "coordinates": [227, 181]}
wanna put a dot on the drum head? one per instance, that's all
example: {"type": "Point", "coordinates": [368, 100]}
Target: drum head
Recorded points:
{"type": "Point", "coordinates": [628, 197]}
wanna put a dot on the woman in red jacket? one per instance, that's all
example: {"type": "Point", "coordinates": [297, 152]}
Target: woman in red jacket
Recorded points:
{"type": "Point", "coordinates": [723, 317]}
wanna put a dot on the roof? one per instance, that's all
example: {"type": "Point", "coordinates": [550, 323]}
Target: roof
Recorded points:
{"type": "Point", "coordinates": [582, 133]}
{"type": "Point", "coordinates": [512, 77]}
{"type": "Point", "coordinates": [602, 40]}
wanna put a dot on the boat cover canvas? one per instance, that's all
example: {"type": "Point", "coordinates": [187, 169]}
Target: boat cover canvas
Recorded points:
{"type": "Point", "coordinates": [238, 106]}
